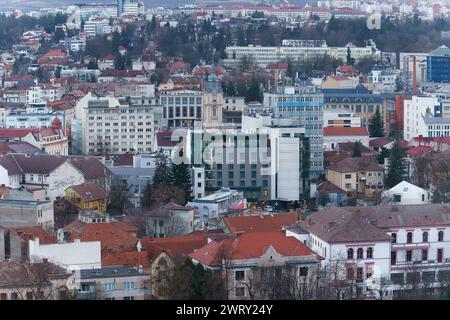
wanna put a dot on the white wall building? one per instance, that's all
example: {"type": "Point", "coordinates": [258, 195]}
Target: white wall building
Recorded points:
{"type": "Point", "coordinates": [407, 193]}
{"type": "Point", "coordinates": [211, 206]}
{"type": "Point", "coordinates": [340, 118]}
{"type": "Point", "coordinates": [75, 255]}
{"type": "Point", "coordinates": [413, 115]}
{"type": "Point", "coordinates": [105, 124]}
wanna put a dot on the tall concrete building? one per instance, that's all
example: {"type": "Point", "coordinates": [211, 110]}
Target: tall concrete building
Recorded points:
{"type": "Point", "coordinates": [268, 160]}
{"type": "Point", "coordinates": [303, 104]}
{"type": "Point", "coordinates": [111, 125]}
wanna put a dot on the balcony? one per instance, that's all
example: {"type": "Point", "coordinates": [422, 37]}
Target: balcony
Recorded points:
{"type": "Point", "coordinates": [420, 264]}
{"type": "Point", "coordinates": [411, 246]}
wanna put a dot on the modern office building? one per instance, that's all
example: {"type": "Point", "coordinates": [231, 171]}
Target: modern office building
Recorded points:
{"type": "Point", "coordinates": [304, 104]}
{"type": "Point", "coordinates": [438, 65]}
{"type": "Point", "coordinates": [181, 107]}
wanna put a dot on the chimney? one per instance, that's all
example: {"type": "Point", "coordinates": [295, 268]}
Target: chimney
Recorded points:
{"type": "Point", "coordinates": [358, 213]}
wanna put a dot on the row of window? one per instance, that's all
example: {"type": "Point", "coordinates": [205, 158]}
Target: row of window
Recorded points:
{"type": "Point", "coordinates": [360, 253]}
{"type": "Point", "coordinates": [424, 256]}
{"type": "Point", "coordinates": [409, 237]}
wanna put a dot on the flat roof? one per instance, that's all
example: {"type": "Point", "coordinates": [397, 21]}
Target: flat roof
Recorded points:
{"type": "Point", "coordinates": [111, 272]}
{"type": "Point", "coordinates": [21, 202]}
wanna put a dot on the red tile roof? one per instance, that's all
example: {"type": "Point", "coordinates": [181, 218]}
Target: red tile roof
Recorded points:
{"type": "Point", "coordinates": [345, 131]}
{"type": "Point", "coordinates": [173, 246]}
{"type": "Point", "coordinates": [379, 142]}
{"type": "Point", "coordinates": [329, 187]}
{"type": "Point", "coordinates": [113, 235]}
{"type": "Point", "coordinates": [30, 233]}
{"type": "Point", "coordinates": [259, 223]}
{"type": "Point", "coordinates": [163, 139]}
{"type": "Point", "coordinates": [125, 258]}
{"type": "Point", "coordinates": [252, 245]}
{"type": "Point", "coordinates": [356, 164]}
{"type": "Point", "coordinates": [419, 150]}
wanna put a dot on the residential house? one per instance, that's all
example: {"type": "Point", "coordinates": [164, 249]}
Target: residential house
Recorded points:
{"type": "Point", "coordinates": [334, 135]}
{"type": "Point", "coordinates": [328, 193]}
{"type": "Point", "coordinates": [407, 193]}
{"type": "Point", "coordinates": [249, 253]}
{"type": "Point", "coordinates": [87, 196]}
{"type": "Point", "coordinates": [22, 281]}
{"type": "Point", "coordinates": [363, 175]}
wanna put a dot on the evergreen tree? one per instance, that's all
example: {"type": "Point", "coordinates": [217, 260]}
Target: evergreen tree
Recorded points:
{"type": "Point", "coordinates": [376, 127]}
{"type": "Point", "coordinates": [383, 153]}
{"type": "Point", "coordinates": [254, 92]}
{"type": "Point", "coordinates": [119, 64]}
{"type": "Point", "coordinates": [162, 171]}
{"type": "Point", "coordinates": [357, 150]}
{"type": "Point", "coordinates": [350, 60]}
{"type": "Point", "coordinates": [397, 166]}
{"type": "Point", "coordinates": [92, 65]}
{"type": "Point", "coordinates": [180, 176]}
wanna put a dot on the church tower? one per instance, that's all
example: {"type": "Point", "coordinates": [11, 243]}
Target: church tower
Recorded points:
{"type": "Point", "coordinates": [213, 100]}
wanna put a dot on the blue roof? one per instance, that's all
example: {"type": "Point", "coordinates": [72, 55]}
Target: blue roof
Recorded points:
{"type": "Point", "coordinates": [358, 89]}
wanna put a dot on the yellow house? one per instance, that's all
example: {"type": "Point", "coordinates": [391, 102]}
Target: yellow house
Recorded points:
{"type": "Point", "coordinates": [363, 175]}
{"type": "Point", "coordinates": [87, 196]}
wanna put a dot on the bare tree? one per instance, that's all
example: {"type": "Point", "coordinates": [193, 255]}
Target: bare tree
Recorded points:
{"type": "Point", "coordinates": [35, 281]}
{"type": "Point", "coordinates": [174, 225]}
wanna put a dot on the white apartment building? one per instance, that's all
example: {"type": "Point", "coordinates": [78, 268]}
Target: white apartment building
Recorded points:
{"type": "Point", "coordinates": [415, 110]}
{"type": "Point", "coordinates": [77, 44]}
{"type": "Point", "coordinates": [32, 120]}
{"type": "Point", "coordinates": [340, 118]}
{"type": "Point", "coordinates": [109, 125]}
{"type": "Point", "coordinates": [40, 95]}
{"type": "Point", "coordinates": [265, 55]}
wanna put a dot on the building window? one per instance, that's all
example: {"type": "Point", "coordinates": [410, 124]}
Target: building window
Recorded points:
{"type": "Point", "coordinates": [239, 275]}
{"type": "Point", "coordinates": [359, 274]}
{"type": "Point", "coordinates": [393, 257]}
{"type": "Point", "coordinates": [303, 271]}
{"type": "Point", "coordinates": [425, 237]}
{"type": "Point", "coordinates": [350, 273]}
{"type": "Point", "coordinates": [350, 253]}
{"type": "Point", "coordinates": [440, 255]}
{"type": "Point", "coordinates": [441, 236]}
{"type": "Point", "coordinates": [394, 237]}
{"type": "Point", "coordinates": [128, 285]}
{"type": "Point", "coordinates": [369, 253]}
{"type": "Point", "coordinates": [408, 255]}
{"type": "Point", "coordinates": [424, 254]}
{"type": "Point", "coordinates": [409, 237]}
{"type": "Point", "coordinates": [359, 253]}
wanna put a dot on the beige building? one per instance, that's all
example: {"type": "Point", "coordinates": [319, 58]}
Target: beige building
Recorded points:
{"type": "Point", "coordinates": [113, 283]}
{"type": "Point", "coordinates": [253, 256]}
{"type": "Point", "coordinates": [213, 101]}
{"type": "Point", "coordinates": [363, 175]}
{"type": "Point", "coordinates": [110, 125]}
